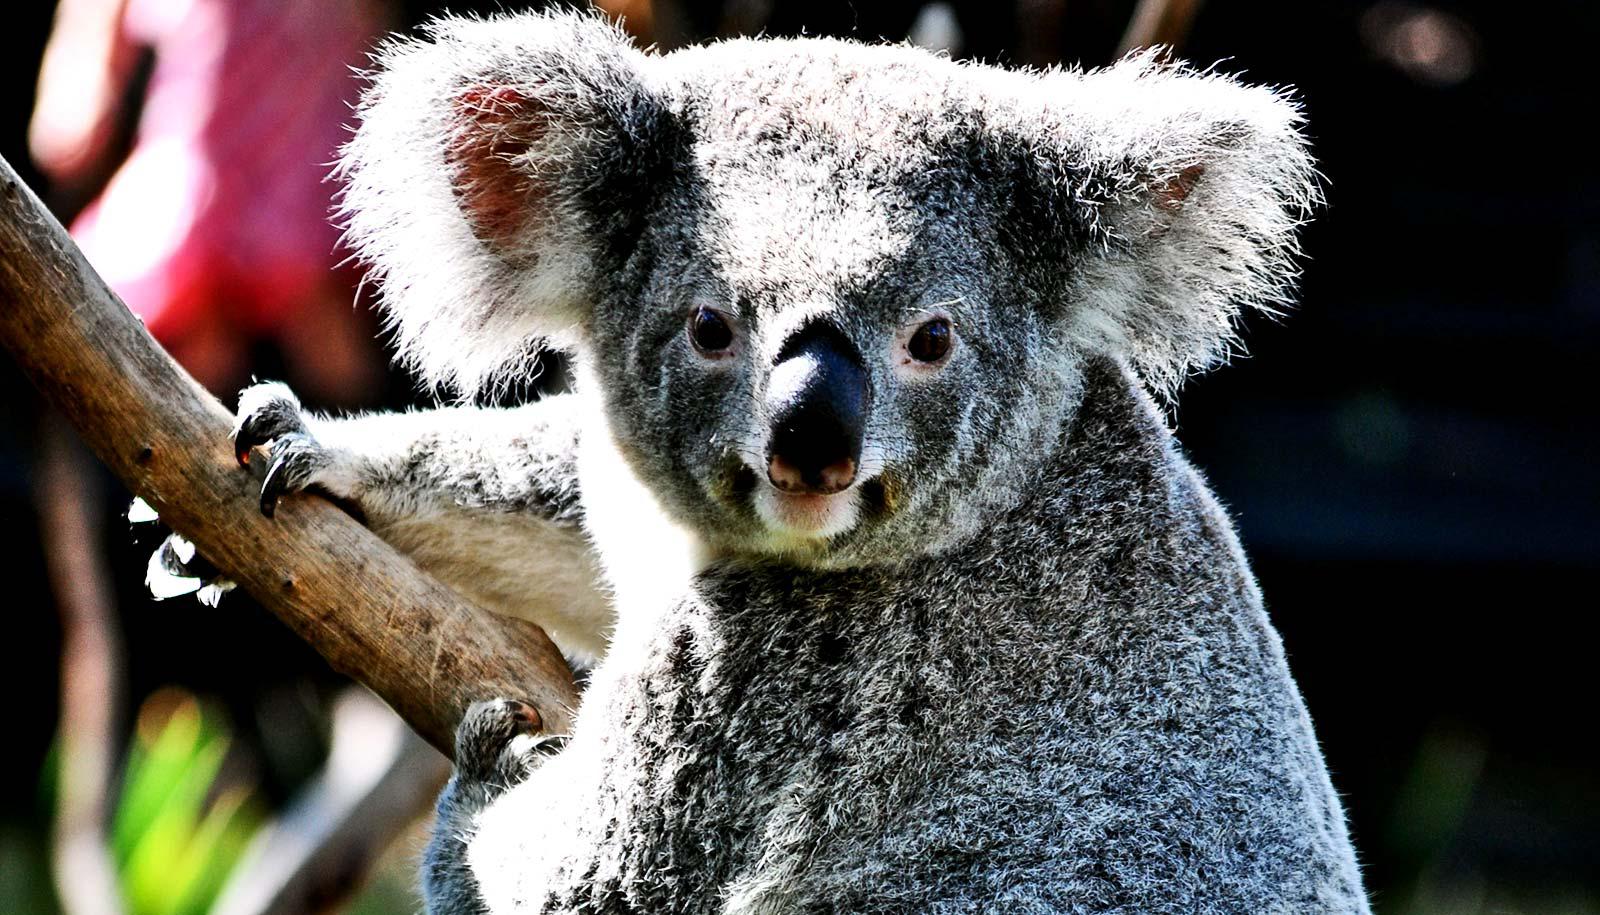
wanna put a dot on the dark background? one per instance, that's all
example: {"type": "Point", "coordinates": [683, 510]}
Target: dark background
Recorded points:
{"type": "Point", "coordinates": [1409, 455]}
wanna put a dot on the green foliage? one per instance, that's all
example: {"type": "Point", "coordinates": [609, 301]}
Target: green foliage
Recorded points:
{"type": "Point", "coordinates": [177, 833]}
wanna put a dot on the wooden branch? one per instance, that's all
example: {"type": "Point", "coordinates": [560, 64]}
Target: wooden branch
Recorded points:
{"type": "Point", "coordinates": [365, 608]}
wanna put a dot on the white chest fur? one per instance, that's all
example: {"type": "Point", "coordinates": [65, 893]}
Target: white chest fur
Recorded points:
{"type": "Point", "coordinates": [648, 559]}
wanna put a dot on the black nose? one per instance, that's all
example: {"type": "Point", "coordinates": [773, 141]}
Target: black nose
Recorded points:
{"type": "Point", "coordinates": [817, 402]}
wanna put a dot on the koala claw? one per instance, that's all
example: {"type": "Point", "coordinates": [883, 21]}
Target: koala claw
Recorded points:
{"type": "Point", "coordinates": [295, 459]}
{"type": "Point", "coordinates": [266, 411]}
{"type": "Point", "coordinates": [486, 746]}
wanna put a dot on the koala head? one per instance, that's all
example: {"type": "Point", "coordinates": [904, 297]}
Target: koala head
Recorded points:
{"type": "Point", "coordinates": [833, 299]}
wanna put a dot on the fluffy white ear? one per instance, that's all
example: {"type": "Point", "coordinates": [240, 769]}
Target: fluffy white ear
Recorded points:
{"type": "Point", "coordinates": [1196, 185]}
{"type": "Point", "coordinates": [482, 177]}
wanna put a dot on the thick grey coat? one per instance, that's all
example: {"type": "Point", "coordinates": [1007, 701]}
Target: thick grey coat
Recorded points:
{"type": "Point", "coordinates": [1103, 725]}
{"type": "Point", "coordinates": [1020, 665]}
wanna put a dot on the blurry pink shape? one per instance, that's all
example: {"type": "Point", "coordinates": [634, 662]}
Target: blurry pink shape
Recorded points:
{"type": "Point", "coordinates": [1428, 44]}
{"type": "Point", "coordinates": [223, 204]}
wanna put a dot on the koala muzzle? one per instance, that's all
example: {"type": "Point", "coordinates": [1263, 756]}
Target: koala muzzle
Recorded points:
{"type": "Point", "coordinates": [817, 401]}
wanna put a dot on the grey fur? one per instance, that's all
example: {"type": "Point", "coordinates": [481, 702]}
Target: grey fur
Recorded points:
{"type": "Point", "coordinates": [1024, 666]}
{"type": "Point", "coordinates": [486, 500]}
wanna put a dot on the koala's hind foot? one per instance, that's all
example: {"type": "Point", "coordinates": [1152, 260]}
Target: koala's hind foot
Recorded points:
{"type": "Point", "coordinates": [497, 745]}
{"type": "Point", "coordinates": [497, 742]}
{"type": "Point", "coordinates": [270, 415]}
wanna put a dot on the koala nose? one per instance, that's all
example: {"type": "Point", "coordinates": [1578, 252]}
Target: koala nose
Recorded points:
{"type": "Point", "coordinates": [817, 401]}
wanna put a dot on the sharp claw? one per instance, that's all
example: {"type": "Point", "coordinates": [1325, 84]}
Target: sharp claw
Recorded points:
{"type": "Point", "coordinates": [271, 489]}
{"type": "Point", "coordinates": [243, 441]}
{"type": "Point", "coordinates": [524, 714]}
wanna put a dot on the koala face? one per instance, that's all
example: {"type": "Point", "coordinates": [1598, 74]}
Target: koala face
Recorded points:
{"type": "Point", "coordinates": [832, 298]}
{"type": "Point", "coordinates": [804, 352]}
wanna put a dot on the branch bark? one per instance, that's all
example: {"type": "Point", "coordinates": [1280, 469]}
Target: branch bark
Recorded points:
{"type": "Point", "coordinates": [369, 611]}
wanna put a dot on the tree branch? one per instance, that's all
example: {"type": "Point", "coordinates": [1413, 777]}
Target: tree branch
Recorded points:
{"type": "Point", "coordinates": [365, 608]}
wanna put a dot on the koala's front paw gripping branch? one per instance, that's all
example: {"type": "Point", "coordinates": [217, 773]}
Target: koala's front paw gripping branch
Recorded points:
{"type": "Point", "coordinates": [365, 608]}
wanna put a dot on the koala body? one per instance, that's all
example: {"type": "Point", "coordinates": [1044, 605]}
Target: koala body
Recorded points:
{"type": "Point", "coordinates": [898, 593]}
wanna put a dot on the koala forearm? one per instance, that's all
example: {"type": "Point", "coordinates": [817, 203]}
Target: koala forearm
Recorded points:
{"type": "Point", "coordinates": [487, 500]}
{"type": "Point", "coordinates": [395, 466]}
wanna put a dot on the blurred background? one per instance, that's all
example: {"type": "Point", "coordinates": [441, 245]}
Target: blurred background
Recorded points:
{"type": "Point", "coordinates": [1409, 455]}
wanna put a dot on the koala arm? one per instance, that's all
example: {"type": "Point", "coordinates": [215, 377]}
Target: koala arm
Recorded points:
{"type": "Point", "coordinates": [484, 499]}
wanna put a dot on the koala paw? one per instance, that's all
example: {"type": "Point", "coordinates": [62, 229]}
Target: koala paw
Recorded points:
{"type": "Point", "coordinates": [270, 415]}
{"type": "Point", "coordinates": [267, 411]}
{"type": "Point", "coordinates": [498, 742]}
{"type": "Point", "coordinates": [296, 463]}
{"type": "Point", "coordinates": [497, 745]}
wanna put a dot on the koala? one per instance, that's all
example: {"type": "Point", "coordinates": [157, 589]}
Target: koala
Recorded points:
{"type": "Point", "coordinates": [895, 591]}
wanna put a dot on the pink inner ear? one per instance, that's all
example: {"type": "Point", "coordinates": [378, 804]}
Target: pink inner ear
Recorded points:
{"type": "Point", "coordinates": [1175, 190]}
{"type": "Point", "coordinates": [495, 127]}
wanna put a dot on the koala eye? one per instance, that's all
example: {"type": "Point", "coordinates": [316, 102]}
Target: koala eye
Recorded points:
{"type": "Point", "coordinates": [710, 331]}
{"type": "Point", "coordinates": [931, 341]}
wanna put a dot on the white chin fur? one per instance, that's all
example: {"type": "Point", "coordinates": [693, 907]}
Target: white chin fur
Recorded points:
{"type": "Point", "coordinates": [807, 518]}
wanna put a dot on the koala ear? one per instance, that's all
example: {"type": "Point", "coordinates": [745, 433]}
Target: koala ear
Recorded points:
{"type": "Point", "coordinates": [1194, 186]}
{"type": "Point", "coordinates": [494, 161]}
